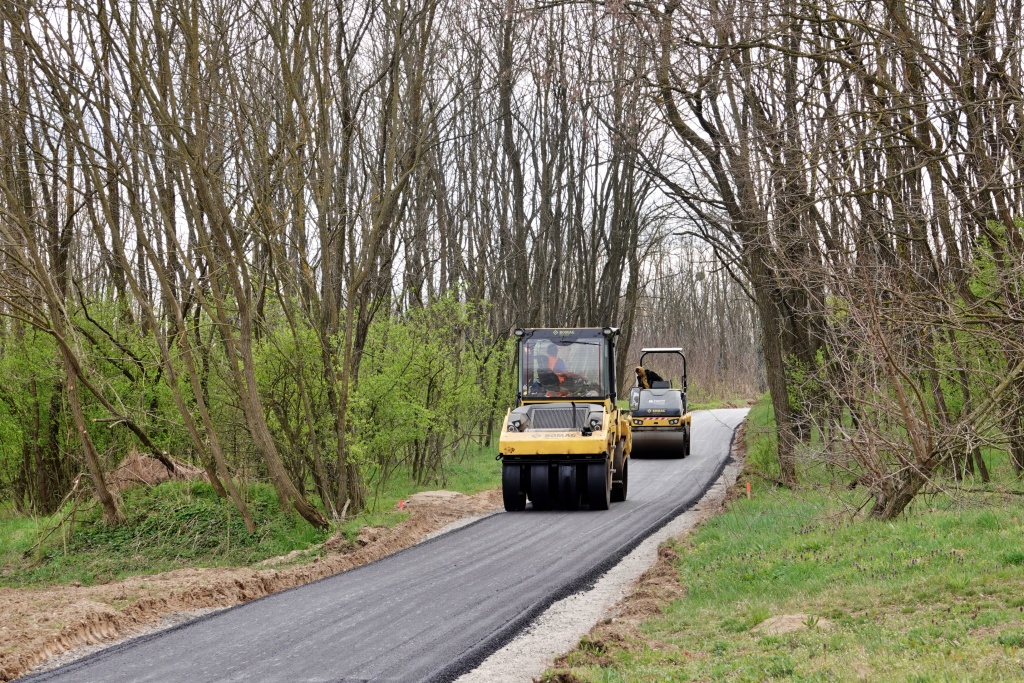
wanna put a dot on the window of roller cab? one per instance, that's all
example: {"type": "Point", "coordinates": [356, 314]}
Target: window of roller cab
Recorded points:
{"type": "Point", "coordinates": [579, 370]}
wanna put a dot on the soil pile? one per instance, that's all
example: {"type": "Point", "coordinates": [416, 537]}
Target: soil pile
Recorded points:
{"type": "Point", "coordinates": [41, 623]}
{"type": "Point", "coordinates": [142, 469]}
{"type": "Point", "coordinates": [787, 623]}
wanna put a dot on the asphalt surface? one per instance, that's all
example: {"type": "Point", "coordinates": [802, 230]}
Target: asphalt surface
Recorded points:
{"type": "Point", "coordinates": [430, 612]}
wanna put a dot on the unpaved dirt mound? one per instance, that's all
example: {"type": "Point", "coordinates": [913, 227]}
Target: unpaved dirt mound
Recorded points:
{"type": "Point", "coordinates": [787, 623]}
{"type": "Point", "coordinates": [141, 469]}
{"type": "Point", "coordinates": [40, 623]}
{"type": "Point", "coordinates": [427, 498]}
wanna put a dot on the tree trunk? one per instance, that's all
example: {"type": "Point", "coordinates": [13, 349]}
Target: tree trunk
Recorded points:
{"type": "Point", "coordinates": [111, 515]}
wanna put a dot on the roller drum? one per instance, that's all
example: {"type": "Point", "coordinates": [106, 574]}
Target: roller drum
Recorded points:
{"type": "Point", "coordinates": [660, 444]}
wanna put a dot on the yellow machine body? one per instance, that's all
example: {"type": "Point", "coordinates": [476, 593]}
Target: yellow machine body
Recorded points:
{"type": "Point", "coordinates": [614, 427]}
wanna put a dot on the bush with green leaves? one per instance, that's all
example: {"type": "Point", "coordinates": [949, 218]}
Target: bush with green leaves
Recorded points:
{"type": "Point", "coordinates": [427, 386]}
{"type": "Point", "coordinates": [35, 470]}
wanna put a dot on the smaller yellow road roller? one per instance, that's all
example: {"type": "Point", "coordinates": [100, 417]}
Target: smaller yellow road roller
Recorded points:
{"type": "Point", "coordinates": [659, 417]}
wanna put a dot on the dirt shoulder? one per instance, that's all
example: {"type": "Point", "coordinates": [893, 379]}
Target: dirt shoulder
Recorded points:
{"type": "Point", "coordinates": [41, 623]}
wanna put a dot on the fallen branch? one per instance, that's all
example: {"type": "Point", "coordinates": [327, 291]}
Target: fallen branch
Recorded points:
{"type": "Point", "coordinates": [955, 489]}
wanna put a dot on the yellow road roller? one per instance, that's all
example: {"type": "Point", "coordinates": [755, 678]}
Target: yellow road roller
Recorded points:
{"type": "Point", "coordinates": [659, 417]}
{"type": "Point", "coordinates": [565, 444]}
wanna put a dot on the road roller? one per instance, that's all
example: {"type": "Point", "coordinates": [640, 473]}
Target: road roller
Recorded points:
{"type": "Point", "coordinates": [565, 444]}
{"type": "Point", "coordinates": [659, 417]}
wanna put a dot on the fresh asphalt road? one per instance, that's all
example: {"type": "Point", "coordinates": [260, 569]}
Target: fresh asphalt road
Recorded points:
{"type": "Point", "coordinates": [430, 612]}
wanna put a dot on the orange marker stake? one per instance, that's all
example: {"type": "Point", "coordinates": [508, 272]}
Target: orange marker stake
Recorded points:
{"type": "Point", "coordinates": [401, 503]}
{"type": "Point", "coordinates": [748, 489]}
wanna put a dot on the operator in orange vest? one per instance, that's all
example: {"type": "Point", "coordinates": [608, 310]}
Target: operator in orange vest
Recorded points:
{"type": "Point", "coordinates": [555, 364]}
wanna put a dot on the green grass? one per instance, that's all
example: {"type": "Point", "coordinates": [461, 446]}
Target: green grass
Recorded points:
{"type": "Point", "coordinates": [173, 525]}
{"type": "Point", "coordinates": [179, 524]}
{"type": "Point", "coordinates": [713, 403]}
{"type": "Point", "coordinates": [935, 596]}
{"type": "Point", "coordinates": [476, 472]}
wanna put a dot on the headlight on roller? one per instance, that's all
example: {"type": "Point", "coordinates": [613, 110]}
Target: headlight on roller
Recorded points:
{"type": "Point", "coordinates": [595, 423]}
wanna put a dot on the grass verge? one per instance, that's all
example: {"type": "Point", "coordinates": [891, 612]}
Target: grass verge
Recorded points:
{"type": "Point", "coordinates": [935, 596]}
{"type": "Point", "coordinates": [184, 524]}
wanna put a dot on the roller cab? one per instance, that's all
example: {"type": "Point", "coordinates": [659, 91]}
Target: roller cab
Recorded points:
{"type": "Point", "coordinates": [565, 444]}
{"type": "Point", "coordinates": [659, 416]}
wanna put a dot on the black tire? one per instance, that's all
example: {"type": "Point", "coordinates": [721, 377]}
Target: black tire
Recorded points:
{"type": "Point", "coordinates": [540, 487]}
{"type": "Point", "coordinates": [512, 491]}
{"type": "Point", "coordinates": [686, 446]}
{"type": "Point", "coordinates": [619, 487]}
{"type": "Point", "coordinates": [568, 487]}
{"type": "Point", "coordinates": [599, 489]}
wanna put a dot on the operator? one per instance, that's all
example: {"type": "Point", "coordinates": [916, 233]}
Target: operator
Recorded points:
{"type": "Point", "coordinates": [645, 376]}
{"type": "Point", "coordinates": [555, 364]}
{"type": "Point", "coordinates": [555, 371]}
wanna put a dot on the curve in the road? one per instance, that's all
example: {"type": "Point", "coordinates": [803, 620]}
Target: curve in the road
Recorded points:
{"type": "Point", "coordinates": [432, 611]}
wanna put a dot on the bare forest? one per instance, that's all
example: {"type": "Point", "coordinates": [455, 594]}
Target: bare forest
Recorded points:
{"type": "Point", "coordinates": [288, 241]}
